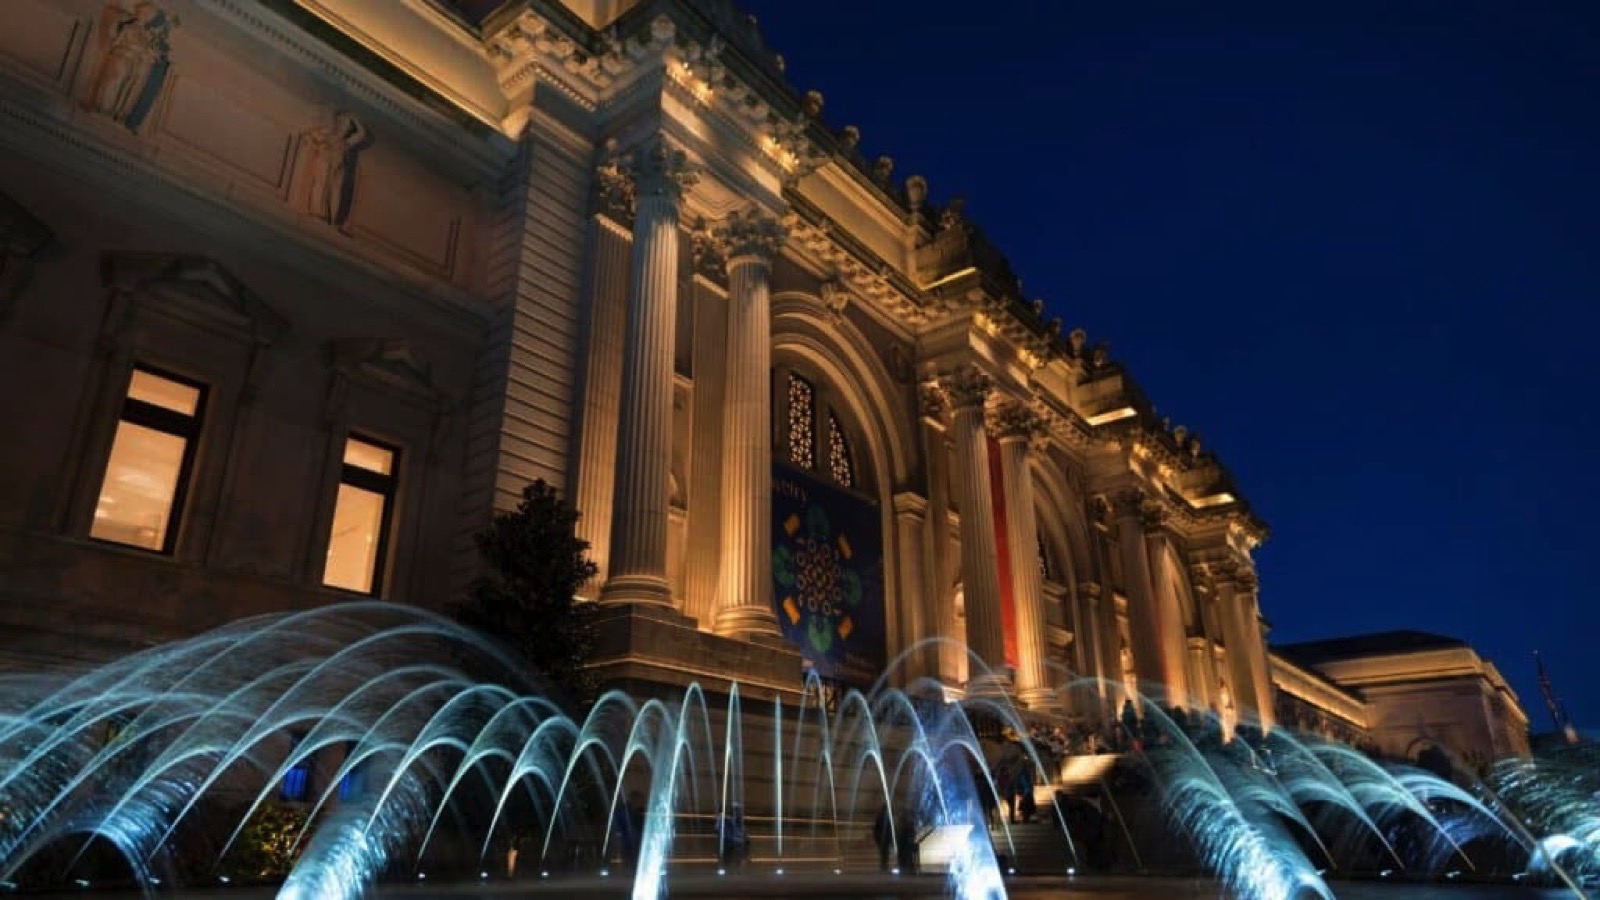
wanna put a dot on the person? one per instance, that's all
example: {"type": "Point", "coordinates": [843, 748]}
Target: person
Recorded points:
{"type": "Point", "coordinates": [883, 835]}
{"type": "Point", "coordinates": [634, 823]}
{"type": "Point", "coordinates": [731, 836]}
{"type": "Point", "coordinates": [1025, 801]}
{"type": "Point", "coordinates": [987, 800]}
{"type": "Point", "coordinates": [1005, 780]}
{"type": "Point", "coordinates": [906, 842]}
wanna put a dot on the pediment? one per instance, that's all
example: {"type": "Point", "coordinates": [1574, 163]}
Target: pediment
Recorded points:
{"type": "Point", "coordinates": [388, 362]}
{"type": "Point", "coordinates": [20, 231]}
{"type": "Point", "coordinates": [194, 288]}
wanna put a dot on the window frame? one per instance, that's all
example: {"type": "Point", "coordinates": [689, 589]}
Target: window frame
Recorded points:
{"type": "Point", "coordinates": [826, 411]}
{"type": "Point", "coordinates": [166, 421]}
{"type": "Point", "coordinates": [385, 486]}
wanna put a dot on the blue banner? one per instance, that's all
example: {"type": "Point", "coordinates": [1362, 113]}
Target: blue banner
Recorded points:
{"type": "Point", "coordinates": [827, 574]}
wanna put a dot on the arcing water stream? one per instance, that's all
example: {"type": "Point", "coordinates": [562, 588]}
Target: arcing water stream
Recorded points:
{"type": "Point", "coordinates": [431, 752]}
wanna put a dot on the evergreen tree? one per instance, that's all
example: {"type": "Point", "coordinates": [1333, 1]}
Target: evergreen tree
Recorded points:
{"type": "Point", "coordinates": [534, 564]}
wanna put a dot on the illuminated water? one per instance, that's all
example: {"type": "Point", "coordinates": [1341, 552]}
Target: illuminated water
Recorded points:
{"type": "Point", "coordinates": [443, 753]}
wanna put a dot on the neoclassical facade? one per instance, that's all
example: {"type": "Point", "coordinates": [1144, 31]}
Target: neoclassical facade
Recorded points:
{"type": "Point", "coordinates": [295, 295]}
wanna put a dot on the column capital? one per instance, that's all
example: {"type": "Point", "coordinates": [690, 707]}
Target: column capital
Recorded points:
{"type": "Point", "coordinates": [1089, 589]}
{"type": "Point", "coordinates": [750, 233]}
{"type": "Point", "coordinates": [1014, 421]}
{"type": "Point", "coordinates": [743, 236]}
{"type": "Point", "coordinates": [1127, 503]}
{"type": "Point", "coordinates": [653, 168]}
{"type": "Point", "coordinates": [966, 386]}
{"type": "Point", "coordinates": [935, 406]}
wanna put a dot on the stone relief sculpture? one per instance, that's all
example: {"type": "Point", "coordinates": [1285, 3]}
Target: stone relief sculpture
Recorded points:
{"type": "Point", "coordinates": [328, 150]}
{"type": "Point", "coordinates": [134, 52]}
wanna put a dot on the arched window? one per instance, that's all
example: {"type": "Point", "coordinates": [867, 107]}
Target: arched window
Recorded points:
{"type": "Point", "coordinates": [811, 433]}
{"type": "Point", "coordinates": [839, 463]}
{"type": "Point", "coordinates": [802, 438]}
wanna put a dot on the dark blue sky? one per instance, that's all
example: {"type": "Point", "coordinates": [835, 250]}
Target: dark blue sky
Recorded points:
{"type": "Point", "coordinates": [1353, 244]}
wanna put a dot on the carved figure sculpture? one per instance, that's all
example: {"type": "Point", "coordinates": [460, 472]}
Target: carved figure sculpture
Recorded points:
{"type": "Point", "coordinates": [331, 147]}
{"type": "Point", "coordinates": [134, 43]}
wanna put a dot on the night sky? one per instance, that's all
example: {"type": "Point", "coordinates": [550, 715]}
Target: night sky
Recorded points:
{"type": "Point", "coordinates": [1353, 245]}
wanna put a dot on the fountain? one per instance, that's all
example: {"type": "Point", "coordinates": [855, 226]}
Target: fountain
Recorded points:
{"type": "Point", "coordinates": [431, 751]}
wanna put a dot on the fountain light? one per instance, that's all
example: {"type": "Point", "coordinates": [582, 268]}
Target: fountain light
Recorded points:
{"type": "Point", "coordinates": [544, 874]}
{"type": "Point", "coordinates": [722, 871]}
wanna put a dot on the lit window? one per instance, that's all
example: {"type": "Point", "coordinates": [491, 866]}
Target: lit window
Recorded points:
{"type": "Point", "coordinates": [361, 518]}
{"type": "Point", "coordinates": [148, 471]}
{"type": "Point", "coordinates": [802, 422]}
{"type": "Point", "coordinates": [839, 464]}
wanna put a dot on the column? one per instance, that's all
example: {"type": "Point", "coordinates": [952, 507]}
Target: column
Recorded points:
{"type": "Point", "coordinates": [1145, 618]}
{"type": "Point", "coordinates": [638, 565]}
{"type": "Point", "coordinates": [1164, 596]}
{"type": "Point", "coordinates": [744, 605]}
{"type": "Point", "coordinates": [968, 388]}
{"type": "Point", "coordinates": [941, 659]}
{"type": "Point", "coordinates": [1017, 428]}
{"type": "Point", "coordinates": [597, 464]}
{"type": "Point", "coordinates": [1092, 642]}
{"type": "Point", "coordinates": [1241, 683]}
{"type": "Point", "coordinates": [911, 522]}
{"type": "Point", "coordinates": [1260, 665]}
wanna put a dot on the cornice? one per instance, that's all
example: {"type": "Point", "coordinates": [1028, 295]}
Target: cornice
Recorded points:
{"type": "Point", "coordinates": [359, 72]}
{"type": "Point", "coordinates": [124, 170]}
{"type": "Point", "coordinates": [867, 275]}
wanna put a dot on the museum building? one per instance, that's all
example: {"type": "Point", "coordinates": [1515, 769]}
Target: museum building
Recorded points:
{"type": "Point", "coordinates": [296, 294]}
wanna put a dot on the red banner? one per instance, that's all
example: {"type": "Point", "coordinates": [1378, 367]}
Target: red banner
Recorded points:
{"type": "Point", "coordinates": [1002, 544]}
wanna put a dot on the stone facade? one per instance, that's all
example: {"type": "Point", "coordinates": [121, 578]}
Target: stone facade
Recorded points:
{"type": "Point", "coordinates": [590, 243]}
{"type": "Point", "coordinates": [1410, 693]}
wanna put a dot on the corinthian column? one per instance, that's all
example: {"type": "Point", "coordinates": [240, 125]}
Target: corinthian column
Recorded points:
{"type": "Point", "coordinates": [1260, 665]}
{"type": "Point", "coordinates": [1145, 619]}
{"type": "Point", "coordinates": [658, 175]}
{"type": "Point", "coordinates": [744, 606]}
{"type": "Point", "coordinates": [1231, 609]}
{"type": "Point", "coordinates": [968, 388]}
{"type": "Point", "coordinates": [1017, 427]}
